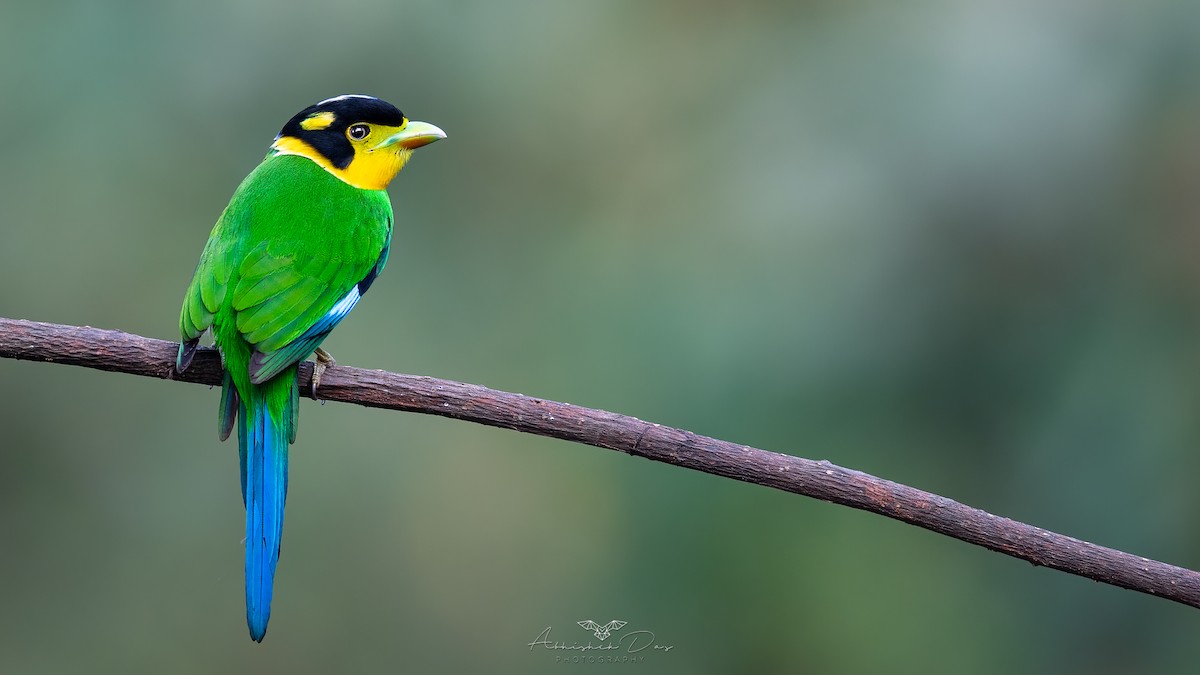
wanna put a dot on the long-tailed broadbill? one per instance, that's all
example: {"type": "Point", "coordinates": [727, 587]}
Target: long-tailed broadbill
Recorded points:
{"type": "Point", "coordinates": [299, 244]}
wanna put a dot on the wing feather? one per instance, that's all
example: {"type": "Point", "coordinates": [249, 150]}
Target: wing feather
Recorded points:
{"type": "Point", "coordinates": [264, 319]}
{"type": "Point", "coordinates": [207, 289]}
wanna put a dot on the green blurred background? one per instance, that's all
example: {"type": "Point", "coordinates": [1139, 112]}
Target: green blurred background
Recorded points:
{"type": "Point", "coordinates": [953, 244]}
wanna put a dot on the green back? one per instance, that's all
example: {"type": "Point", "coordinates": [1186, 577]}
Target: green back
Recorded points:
{"type": "Point", "coordinates": [293, 242]}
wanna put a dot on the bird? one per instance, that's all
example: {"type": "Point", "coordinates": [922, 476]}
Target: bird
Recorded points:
{"type": "Point", "coordinates": [303, 238]}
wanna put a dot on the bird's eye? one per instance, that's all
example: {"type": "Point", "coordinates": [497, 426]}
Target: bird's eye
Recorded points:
{"type": "Point", "coordinates": [358, 132]}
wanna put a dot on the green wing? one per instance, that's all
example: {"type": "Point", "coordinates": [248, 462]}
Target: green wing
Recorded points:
{"type": "Point", "coordinates": [290, 257]}
{"type": "Point", "coordinates": [205, 294]}
{"type": "Point", "coordinates": [287, 302]}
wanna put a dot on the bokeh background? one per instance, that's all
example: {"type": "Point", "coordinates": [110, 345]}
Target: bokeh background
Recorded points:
{"type": "Point", "coordinates": [953, 244]}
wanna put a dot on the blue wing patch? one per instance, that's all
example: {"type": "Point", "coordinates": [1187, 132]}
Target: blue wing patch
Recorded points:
{"type": "Point", "coordinates": [334, 316]}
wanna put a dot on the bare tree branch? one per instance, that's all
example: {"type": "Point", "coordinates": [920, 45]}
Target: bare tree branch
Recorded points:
{"type": "Point", "coordinates": [121, 352]}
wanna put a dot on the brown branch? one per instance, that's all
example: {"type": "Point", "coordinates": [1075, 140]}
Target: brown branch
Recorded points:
{"type": "Point", "coordinates": [125, 353]}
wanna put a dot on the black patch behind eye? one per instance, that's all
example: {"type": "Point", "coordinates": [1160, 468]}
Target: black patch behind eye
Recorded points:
{"type": "Point", "coordinates": [331, 141]}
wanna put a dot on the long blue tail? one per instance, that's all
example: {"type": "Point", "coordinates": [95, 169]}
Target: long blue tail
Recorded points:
{"type": "Point", "coordinates": [264, 427]}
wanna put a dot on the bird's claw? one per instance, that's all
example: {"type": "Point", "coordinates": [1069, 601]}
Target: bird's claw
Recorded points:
{"type": "Point", "coordinates": [323, 360]}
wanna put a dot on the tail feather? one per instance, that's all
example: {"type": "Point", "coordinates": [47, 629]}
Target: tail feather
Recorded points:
{"type": "Point", "coordinates": [264, 427]}
{"type": "Point", "coordinates": [227, 413]}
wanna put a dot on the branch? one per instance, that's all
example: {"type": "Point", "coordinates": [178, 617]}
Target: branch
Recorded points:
{"type": "Point", "coordinates": [124, 353]}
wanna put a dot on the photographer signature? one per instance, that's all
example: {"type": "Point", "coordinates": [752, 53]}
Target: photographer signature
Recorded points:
{"type": "Point", "coordinates": [632, 643]}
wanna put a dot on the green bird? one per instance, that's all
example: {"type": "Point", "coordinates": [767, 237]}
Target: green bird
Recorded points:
{"type": "Point", "coordinates": [300, 242]}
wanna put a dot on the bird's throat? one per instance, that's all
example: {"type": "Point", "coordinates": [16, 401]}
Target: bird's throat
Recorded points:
{"type": "Point", "coordinates": [369, 170]}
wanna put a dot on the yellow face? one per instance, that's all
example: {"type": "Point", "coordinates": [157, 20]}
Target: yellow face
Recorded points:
{"type": "Point", "coordinates": [371, 168]}
{"type": "Point", "coordinates": [365, 154]}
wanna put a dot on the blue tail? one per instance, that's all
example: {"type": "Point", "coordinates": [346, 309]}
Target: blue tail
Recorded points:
{"type": "Point", "coordinates": [263, 437]}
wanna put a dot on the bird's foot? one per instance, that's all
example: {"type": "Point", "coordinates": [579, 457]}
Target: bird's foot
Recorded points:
{"type": "Point", "coordinates": [324, 360]}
